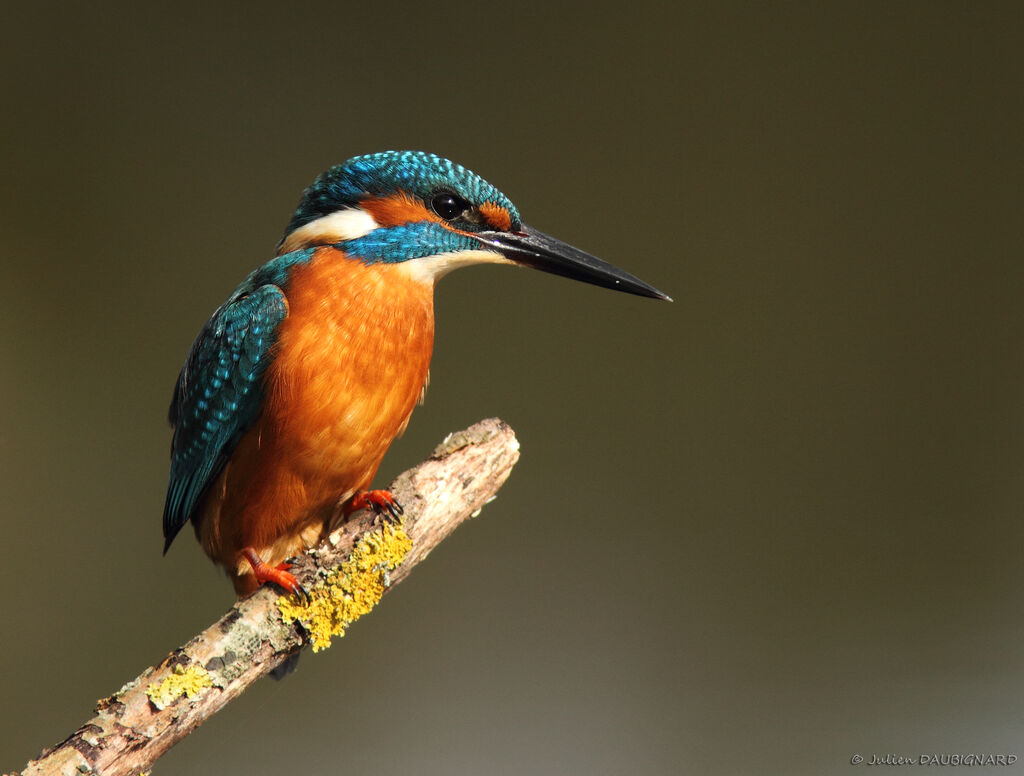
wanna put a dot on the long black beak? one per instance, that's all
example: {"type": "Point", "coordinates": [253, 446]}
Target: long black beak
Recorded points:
{"type": "Point", "coordinates": [540, 251]}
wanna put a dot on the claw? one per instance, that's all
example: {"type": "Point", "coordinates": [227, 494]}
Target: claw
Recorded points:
{"type": "Point", "coordinates": [382, 502]}
{"type": "Point", "coordinates": [280, 575]}
{"type": "Point", "coordinates": [298, 589]}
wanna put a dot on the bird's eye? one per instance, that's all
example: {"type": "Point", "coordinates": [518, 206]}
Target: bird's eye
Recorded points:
{"type": "Point", "coordinates": [449, 206]}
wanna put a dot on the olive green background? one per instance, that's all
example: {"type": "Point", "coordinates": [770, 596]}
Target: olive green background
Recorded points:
{"type": "Point", "coordinates": [760, 530]}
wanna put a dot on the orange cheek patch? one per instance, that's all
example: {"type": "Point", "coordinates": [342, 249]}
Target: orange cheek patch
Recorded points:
{"type": "Point", "coordinates": [496, 216]}
{"type": "Point", "coordinates": [397, 210]}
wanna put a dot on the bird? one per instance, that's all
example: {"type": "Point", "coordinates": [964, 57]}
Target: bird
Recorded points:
{"type": "Point", "coordinates": [297, 385]}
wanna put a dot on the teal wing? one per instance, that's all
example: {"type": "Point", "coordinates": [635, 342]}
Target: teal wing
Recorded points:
{"type": "Point", "coordinates": [218, 396]}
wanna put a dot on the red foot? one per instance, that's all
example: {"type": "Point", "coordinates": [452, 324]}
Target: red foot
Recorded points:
{"type": "Point", "coordinates": [380, 501]}
{"type": "Point", "coordinates": [279, 574]}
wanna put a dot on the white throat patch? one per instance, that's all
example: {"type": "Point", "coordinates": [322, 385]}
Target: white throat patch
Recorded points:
{"type": "Point", "coordinates": [428, 269]}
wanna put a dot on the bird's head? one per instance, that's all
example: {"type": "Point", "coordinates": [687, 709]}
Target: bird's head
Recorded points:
{"type": "Point", "coordinates": [433, 215]}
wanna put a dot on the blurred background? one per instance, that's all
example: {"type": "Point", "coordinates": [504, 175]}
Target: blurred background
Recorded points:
{"type": "Point", "coordinates": [763, 529]}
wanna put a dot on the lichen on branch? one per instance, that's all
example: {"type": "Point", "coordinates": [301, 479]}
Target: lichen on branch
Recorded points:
{"type": "Point", "coordinates": [346, 593]}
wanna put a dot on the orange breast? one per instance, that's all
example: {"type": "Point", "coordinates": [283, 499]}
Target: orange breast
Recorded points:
{"type": "Point", "coordinates": [350, 363]}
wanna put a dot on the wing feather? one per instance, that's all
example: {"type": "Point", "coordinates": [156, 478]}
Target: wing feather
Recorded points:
{"type": "Point", "coordinates": [218, 396]}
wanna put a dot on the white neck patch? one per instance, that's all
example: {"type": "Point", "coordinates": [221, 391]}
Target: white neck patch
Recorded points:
{"type": "Point", "coordinates": [336, 227]}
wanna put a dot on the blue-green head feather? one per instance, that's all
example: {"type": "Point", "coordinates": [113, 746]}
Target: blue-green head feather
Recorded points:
{"type": "Point", "coordinates": [415, 173]}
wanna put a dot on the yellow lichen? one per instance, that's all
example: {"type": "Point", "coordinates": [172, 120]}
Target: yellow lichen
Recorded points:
{"type": "Point", "coordinates": [189, 681]}
{"type": "Point", "coordinates": [351, 591]}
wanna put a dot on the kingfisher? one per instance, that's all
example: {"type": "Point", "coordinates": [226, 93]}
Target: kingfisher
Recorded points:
{"type": "Point", "coordinates": [296, 386]}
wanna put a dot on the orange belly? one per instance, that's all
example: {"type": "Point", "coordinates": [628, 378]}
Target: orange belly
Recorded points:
{"type": "Point", "coordinates": [350, 363]}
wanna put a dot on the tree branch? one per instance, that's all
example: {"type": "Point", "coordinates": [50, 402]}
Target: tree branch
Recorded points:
{"type": "Point", "coordinates": [345, 577]}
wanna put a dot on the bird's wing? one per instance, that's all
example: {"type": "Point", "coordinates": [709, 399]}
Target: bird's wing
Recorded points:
{"type": "Point", "coordinates": [218, 396]}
